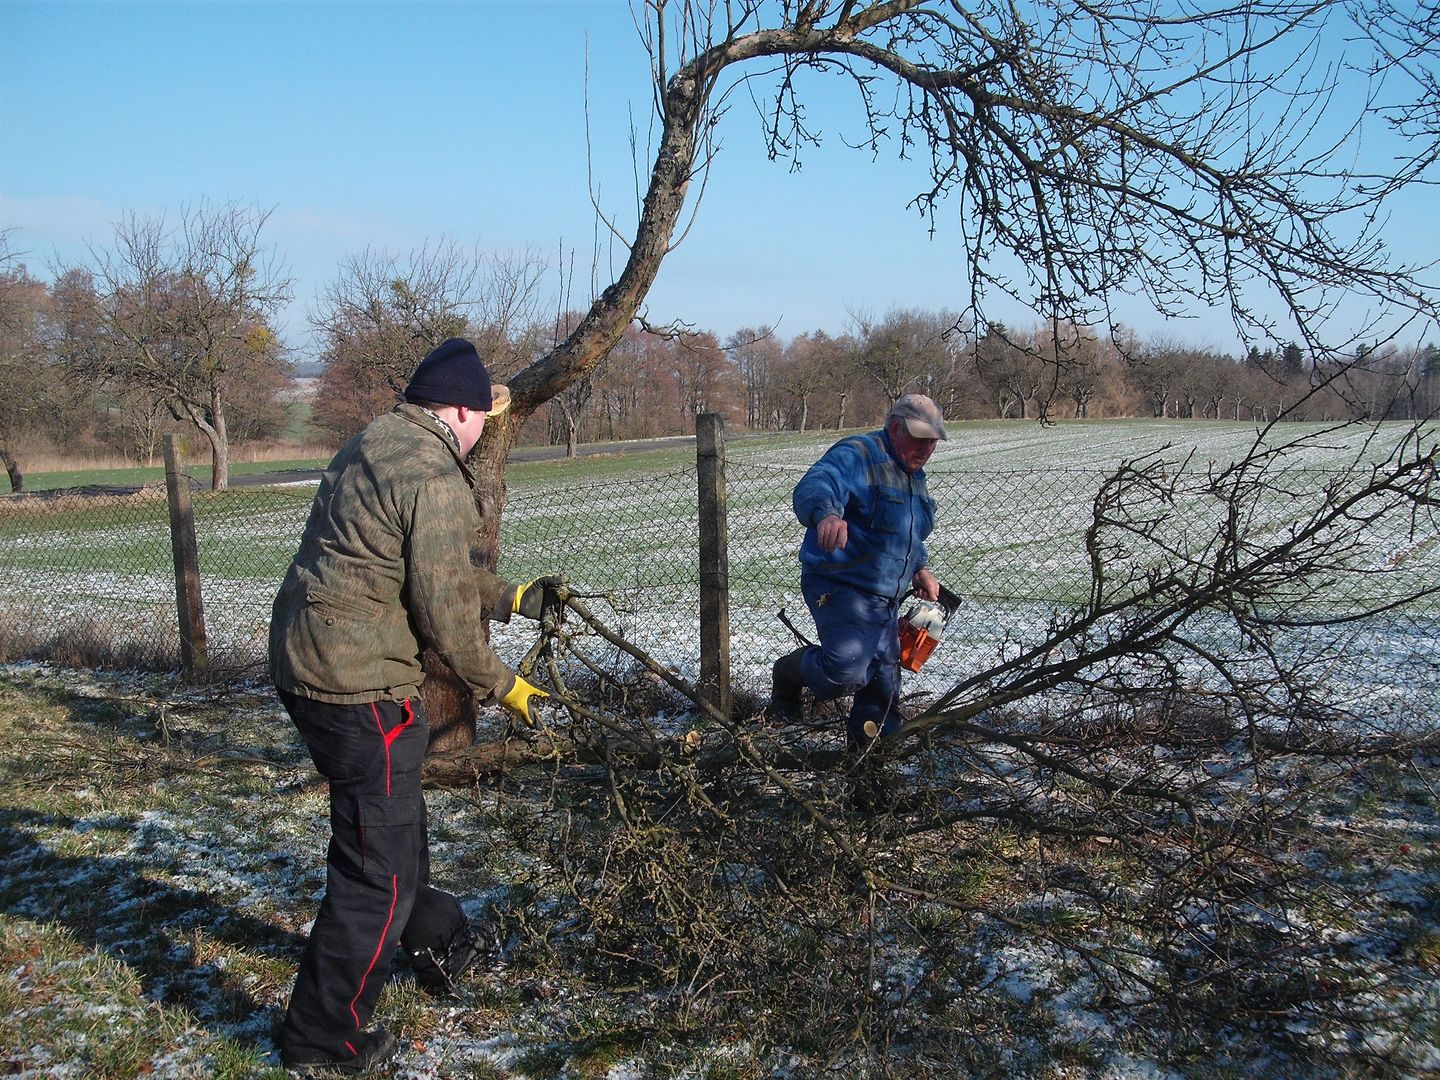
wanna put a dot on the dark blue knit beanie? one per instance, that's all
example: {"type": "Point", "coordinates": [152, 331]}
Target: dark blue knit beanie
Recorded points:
{"type": "Point", "coordinates": [452, 374]}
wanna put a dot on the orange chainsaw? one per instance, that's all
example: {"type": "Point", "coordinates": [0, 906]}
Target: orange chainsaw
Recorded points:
{"type": "Point", "coordinates": [922, 626]}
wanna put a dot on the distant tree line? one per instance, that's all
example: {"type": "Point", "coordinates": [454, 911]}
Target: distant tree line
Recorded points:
{"type": "Point", "coordinates": [382, 312]}
{"type": "Point", "coordinates": [177, 331]}
{"type": "Point", "coordinates": [166, 329]}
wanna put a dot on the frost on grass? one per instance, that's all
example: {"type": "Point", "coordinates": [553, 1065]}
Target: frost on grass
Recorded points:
{"type": "Point", "coordinates": [174, 908]}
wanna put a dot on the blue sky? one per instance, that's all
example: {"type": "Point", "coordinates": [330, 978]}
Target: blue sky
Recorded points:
{"type": "Point", "coordinates": [390, 124]}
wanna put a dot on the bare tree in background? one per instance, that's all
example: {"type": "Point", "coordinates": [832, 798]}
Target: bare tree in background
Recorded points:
{"type": "Point", "coordinates": [1086, 364]}
{"type": "Point", "coordinates": [187, 315]}
{"type": "Point", "coordinates": [383, 312]}
{"type": "Point", "coordinates": [908, 351]}
{"type": "Point", "coordinates": [568, 407]}
{"type": "Point", "coordinates": [21, 397]}
{"type": "Point", "coordinates": [755, 354]}
{"type": "Point", "coordinates": [1009, 369]}
{"type": "Point", "coordinates": [812, 363]}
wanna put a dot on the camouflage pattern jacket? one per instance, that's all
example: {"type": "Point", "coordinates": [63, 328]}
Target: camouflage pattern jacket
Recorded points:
{"type": "Point", "coordinates": [384, 569]}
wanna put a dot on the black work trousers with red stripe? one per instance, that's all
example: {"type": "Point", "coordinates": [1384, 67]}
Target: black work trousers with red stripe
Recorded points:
{"type": "Point", "coordinates": [377, 891]}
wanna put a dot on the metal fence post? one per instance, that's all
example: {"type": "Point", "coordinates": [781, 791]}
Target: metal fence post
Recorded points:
{"type": "Point", "coordinates": [194, 655]}
{"type": "Point", "coordinates": [714, 562]}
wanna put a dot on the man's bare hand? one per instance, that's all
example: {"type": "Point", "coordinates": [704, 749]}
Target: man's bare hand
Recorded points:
{"type": "Point", "coordinates": [832, 532]}
{"type": "Point", "coordinates": [925, 584]}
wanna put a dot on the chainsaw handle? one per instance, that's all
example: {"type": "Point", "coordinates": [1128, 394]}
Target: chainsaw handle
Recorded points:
{"type": "Point", "coordinates": [949, 601]}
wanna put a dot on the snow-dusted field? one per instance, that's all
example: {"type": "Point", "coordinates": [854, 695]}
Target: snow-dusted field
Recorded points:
{"type": "Point", "coordinates": [1014, 501]}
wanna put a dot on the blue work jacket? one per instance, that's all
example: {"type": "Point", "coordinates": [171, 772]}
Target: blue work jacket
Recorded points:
{"type": "Point", "coordinates": [887, 510]}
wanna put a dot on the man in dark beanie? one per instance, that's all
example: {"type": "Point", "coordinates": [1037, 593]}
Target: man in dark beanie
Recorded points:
{"type": "Point", "coordinates": [382, 572]}
{"type": "Point", "coordinates": [453, 373]}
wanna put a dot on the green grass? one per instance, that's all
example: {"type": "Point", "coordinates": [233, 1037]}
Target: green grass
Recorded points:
{"type": "Point", "coordinates": [597, 465]}
{"type": "Point", "coordinates": [128, 966]}
{"type": "Point", "coordinates": [581, 470]}
{"type": "Point", "coordinates": [89, 1010]}
{"type": "Point", "coordinates": [140, 475]}
{"type": "Point", "coordinates": [298, 429]}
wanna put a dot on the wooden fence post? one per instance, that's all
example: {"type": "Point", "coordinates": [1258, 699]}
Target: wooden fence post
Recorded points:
{"type": "Point", "coordinates": [714, 562]}
{"type": "Point", "coordinates": [194, 654]}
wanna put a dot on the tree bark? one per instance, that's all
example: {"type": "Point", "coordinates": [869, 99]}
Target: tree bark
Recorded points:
{"type": "Point", "coordinates": [219, 443]}
{"type": "Point", "coordinates": [12, 467]}
{"type": "Point", "coordinates": [589, 343]}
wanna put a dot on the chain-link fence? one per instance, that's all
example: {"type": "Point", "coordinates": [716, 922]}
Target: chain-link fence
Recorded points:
{"type": "Point", "coordinates": [89, 579]}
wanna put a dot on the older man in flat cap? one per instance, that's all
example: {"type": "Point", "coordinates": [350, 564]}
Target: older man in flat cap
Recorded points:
{"type": "Point", "coordinates": [866, 512]}
{"type": "Point", "coordinates": [383, 571]}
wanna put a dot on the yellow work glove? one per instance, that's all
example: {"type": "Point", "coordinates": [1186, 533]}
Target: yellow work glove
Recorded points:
{"type": "Point", "coordinates": [538, 598]}
{"type": "Point", "coordinates": [517, 699]}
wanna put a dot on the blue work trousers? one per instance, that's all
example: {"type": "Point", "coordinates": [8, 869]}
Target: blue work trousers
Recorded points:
{"type": "Point", "coordinates": [859, 653]}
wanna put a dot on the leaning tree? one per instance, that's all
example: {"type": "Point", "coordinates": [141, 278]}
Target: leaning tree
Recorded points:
{"type": "Point", "coordinates": [1201, 155]}
{"type": "Point", "coordinates": [1151, 822]}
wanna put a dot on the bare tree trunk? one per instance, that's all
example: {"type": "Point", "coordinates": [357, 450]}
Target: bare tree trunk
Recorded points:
{"type": "Point", "coordinates": [17, 479]}
{"type": "Point", "coordinates": [448, 702]}
{"type": "Point", "coordinates": [569, 415]}
{"type": "Point", "coordinates": [219, 444]}
{"type": "Point", "coordinates": [589, 343]}
{"type": "Point", "coordinates": [212, 426]}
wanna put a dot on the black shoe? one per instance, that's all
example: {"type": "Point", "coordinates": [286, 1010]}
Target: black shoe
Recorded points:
{"type": "Point", "coordinates": [786, 682]}
{"type": "Point", "coordinates": [372, 1048]}
{"type": "Point", "coordinates": [439, 976]}
{"type": "Point", "coordinates": [874, 792]}
{"type": "Point", "coordinates": [873, 787]}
